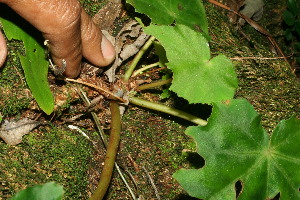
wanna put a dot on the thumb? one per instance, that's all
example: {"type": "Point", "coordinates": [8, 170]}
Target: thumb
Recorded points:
{"type": "Point", "coordinates": [95, 46]}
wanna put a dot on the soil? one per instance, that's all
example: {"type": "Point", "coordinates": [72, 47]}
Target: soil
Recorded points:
{"type": "Point", "coordinates": [153, 145]}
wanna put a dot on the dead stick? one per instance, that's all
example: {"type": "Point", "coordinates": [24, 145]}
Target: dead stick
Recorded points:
{"type": "Point", "coordinates": [257, 27]}
{"type": "Point", "coordinates": [96, 87]}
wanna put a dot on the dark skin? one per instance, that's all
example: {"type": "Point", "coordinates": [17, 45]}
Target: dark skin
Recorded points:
{"type": "Point", "coordinates": [69, 30]}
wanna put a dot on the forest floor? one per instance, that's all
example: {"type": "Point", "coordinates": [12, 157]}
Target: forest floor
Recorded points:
{"type": "Point", "coordinates": [152, 144]}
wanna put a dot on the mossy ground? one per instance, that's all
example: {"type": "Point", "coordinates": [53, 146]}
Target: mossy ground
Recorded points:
{"type": "Point", "coordinates": [47, 154]}
{"type": "Point", "coordinates": [268, 84]}
{"type": "Point", "coordinates": [151, 140]}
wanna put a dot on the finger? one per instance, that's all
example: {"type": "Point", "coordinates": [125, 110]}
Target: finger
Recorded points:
{"type": "Point", "coordinates": [95, 47]}
{"type": "Point", "coordinates": [59, 21]}
{"type": "Point", "coordinates": [3, 49]}
{"type": "Point", "coordinates": [66, 46]}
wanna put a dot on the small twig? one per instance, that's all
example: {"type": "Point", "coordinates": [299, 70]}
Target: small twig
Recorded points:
{"type": "Point", "coordinates": [94, 115]}
{"type": "Point", "coordinates": [152, 183]}
{"type": "Point", "coordinates": [96, 87]}
{"type": "Point", "coordinates": [72, 127]}
{"type": "Point", "coordinates": [116, 165]}
{"type": "Point", "coordinates": [125, 182]}
{"type": "Point", "coordinates": [256, 27]}
{"type": "Point", "coordinates": [256, 58]}
{"type": "Point", "coordinates": [37, 117]}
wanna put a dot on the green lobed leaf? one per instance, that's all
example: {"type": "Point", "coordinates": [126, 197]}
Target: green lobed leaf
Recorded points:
{"type": "Point", "coordinates": [236, 148]}
{"type": "Point", "coordinates": [196, 77]}
{"type": "Point", "coordinates": [34, 64]}
{"type": "Point", "coordinates": [190, 13]}
{"type": "Point", "coordinates": [47, 191]}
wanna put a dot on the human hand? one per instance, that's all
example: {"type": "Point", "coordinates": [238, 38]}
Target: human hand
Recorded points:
{"type": "Point", "coordinates": [69, 30]}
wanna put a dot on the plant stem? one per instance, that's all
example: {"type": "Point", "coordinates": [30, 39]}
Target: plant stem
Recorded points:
{"type": "Point", "coordinates": [144, 68]}
{"type": "Point", "coordinates": [104, 140]}
{"type": "Point", "coordinates": [111, 153]}
{"type": "Point", "coordinates": [137, 58]}
{"type": "Point", "coordinates": [168, 110]}
{"type": "Point", "coordinates": [155, 84]}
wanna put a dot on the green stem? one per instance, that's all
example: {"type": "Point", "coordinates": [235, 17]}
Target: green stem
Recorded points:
{"type": "Point", "coordinates": [137, 58]}
{"type": "Point", "coordinates": [168, 110]}
{"type": "Point", "coordinates": [155, 84]}
{"type": "Point", "coordinates": [144, 68]}
{"type": "Point", "coordinates": [112, 149]}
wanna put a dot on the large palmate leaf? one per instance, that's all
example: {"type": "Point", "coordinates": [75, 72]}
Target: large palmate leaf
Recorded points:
{"type": "Point", "coordinates": [48, 191]}
{"type": "Point", "coordinates": [236, 148]}
{"type": "Point", "coordinates": [190, 13]}
{"type": "Point", "coordinates": [197, 77]}
{"type": "Point", "coordinates": [34, 64]}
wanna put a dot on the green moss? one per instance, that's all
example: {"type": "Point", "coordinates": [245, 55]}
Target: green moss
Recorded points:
{"type": "Point", "coordinates": [156, 143]}
{"type": "Point", "coordinates": [267, 84]}
{"type": "Point", "coordinates": [14, 93]}
{"type": "Point", "coordinates": [48, 155]}
{"type": "Point", "coordinates": [153, 140]}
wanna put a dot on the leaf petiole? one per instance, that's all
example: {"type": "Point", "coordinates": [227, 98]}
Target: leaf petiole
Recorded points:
{"type": "Point", "coordinates": [137, 72]}
{"type": "Point", "coordinates": [155, 84]}
{"type": "Point", "coordinates": [137, 58]}
{"type": "Point", "coordinates": [168, 110]}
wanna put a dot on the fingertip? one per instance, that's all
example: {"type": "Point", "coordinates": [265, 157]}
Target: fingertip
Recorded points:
{"type": "Point", "coordinates": [98, 50]}
{"type": "Point", "coordinates": [95, 46]}
{"type": "Point", "coordinates": [69, 67]}
{"type": "Point", "coordinates": [71, 72]}
{"type": "Point", "coordinates": [108, 50]}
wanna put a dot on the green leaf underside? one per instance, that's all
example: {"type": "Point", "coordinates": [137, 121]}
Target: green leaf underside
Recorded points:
{"type": "Point", "coordinates": [190, 13]}
{"type": "Point", "coordinates": [196, 77]}
{"type": "Point", "coordinates": [48, 191]}
{"type": "Point", "coordinates": [292, 6]}
{"type": "Point", "coordinates": [289, 18]}
{"type": "Point", "coordinates": [34, 64]}
{"type": "Point", "coordinates": [161, 52]}
{"type": "Point", "coordinates": [236, 147]}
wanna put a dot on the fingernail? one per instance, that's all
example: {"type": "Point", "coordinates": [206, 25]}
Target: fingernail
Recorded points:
{"type": "Point", "coordinates": [108, 49]}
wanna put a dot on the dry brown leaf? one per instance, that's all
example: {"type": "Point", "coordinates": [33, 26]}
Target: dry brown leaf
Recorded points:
{"type": "Point", "coordinates": [125, 50]}
{"type": "Point", "coordinates": [128, 41]}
